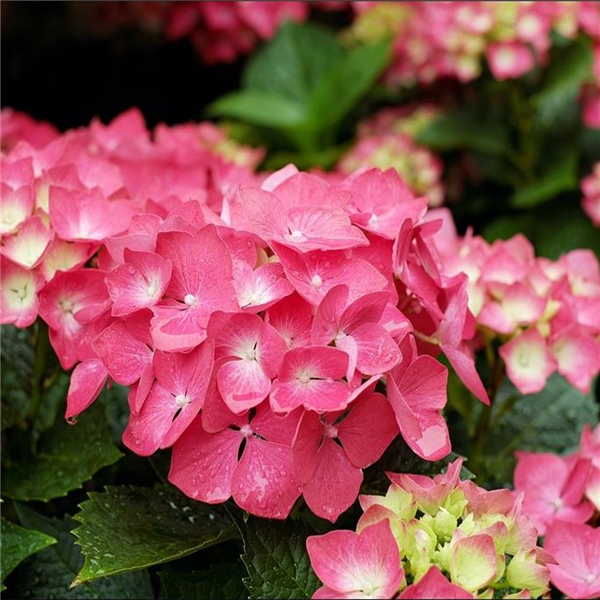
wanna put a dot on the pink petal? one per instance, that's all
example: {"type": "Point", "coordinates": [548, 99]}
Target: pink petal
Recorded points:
{"type": "Point", "coordinates": [19, 294]}
{"type": "Point", "coordinates": [291, 318]}
{"type": "Point", "coordinates": [139, 283]}
{"type": "Point", "coordinates": [202, 464]}
{"type": "Point", "coordinates": [528, 361]}
{"type": "Point", "coordinates": [334, 483]}
{"type": "Point", "coordinates": [306, 445]}
{"type": "Point", "coordinates": [377, 351]}
{"type": "Point", "coordinates": [434, 585]}
{"type": "Point", "coordinates": [28, 245]}
{"type": "Point", "coordinates": [17, 205]}
{"type": "Point", "coordinates": [243, 384]}
{"type": "Point", "coordinates": [177, 328]}
{"type": "Point", "coordinates": [368, 430]}
{"type": "Point", "coordinates": [123, 355]}
{"type": "Point", "coordinates": [578, 358]}
{"type": "Point", "coordinates": [65, 256]}
{"type": "Point", "coordinates": [576, 548]}
{"type": "Point", "coordinates": [264, 482]}
{"type": "Point", "coordinates": [87, 380]}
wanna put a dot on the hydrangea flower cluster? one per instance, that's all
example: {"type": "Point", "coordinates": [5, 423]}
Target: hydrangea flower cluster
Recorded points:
{"type": "Point", "coordinates": [562, 499]}
{"type": "Point", "coordinates": [544, 313]}
{"type": "Point", "coordinates": [590, 186]}
{"type": "Point", "coordinates": [63, 195]}
{"type": "Point", "coordinates": [220, 31]}
{"type": "Point", "coordinates": [386, 141]}
{"type": "Point", "coordinates": [252, 336]}
{"type": "Point", "coordinates": [438, 537]}
{"type": "Point", "coordinates": [451, 39]}
{"type": "Point", "coordinates": [252, 321]}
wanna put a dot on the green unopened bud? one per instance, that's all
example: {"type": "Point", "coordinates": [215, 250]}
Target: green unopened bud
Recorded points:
{"type": "Point", "coordinates": [444, 524]}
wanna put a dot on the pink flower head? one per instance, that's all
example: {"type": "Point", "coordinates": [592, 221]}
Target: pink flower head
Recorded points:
{"type": "Point", "coordinates": [19, 294]}
{"type": "Point", "coordinates": [206, 467]}
{"type": "Point", "coordinates": [330, 452]}
{"type": "Point", "coordinates": [313, 274]}
{"type": "Point", "coordinates": [509, 60]}
{"type": "Point", "coordinates": [576, 548]}
{"type": "Point", "coordinates": [138, 283]}
{"type": "Point", "coordinates": [201, 282]}
{"type": "Point", "coordinates": [174, 400]}
{"type": "Point", "coordinates": [354, 327]}
{"type": "Point", "coordinates": [528, 360]}
{"type": "Point", "coordinates": [356, 565]}
{"type": "Point", "coordinates": [311, 377]}
{"type": "Point", "coordinates": [434, 585]}
{"type": "Point", "coordinates": [17, 205]}
{"type": "Point", "coordinates": [257, 289]}
{"type": "Point", "coordinates": [251, 351]}
{"type": "Point", "coordinates": [303, 228]}
{"type": "Point", "coordinates": [553, 487]}
{"type": "Point", "coordinates": [67, 304]}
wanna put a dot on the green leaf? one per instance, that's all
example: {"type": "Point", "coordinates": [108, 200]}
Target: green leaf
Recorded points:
{"type": "Point", "coordinates": [221, 582]}
{"type": "Point", "coordinates": [347, 82]}
{"type": "Point", "coordinates": [560, 175]}
{"type": "Point", "coordinates": [466, 128]}
{"type": "Point", "coordinates": [568, 68]}
{"type": "Point", "coordinates": [260, 108]}
{"type": "Point", "coordinates": [550, 421]}
{"type": "Point", "coordinates": [277, 561]}
{"type": "Point", "coordinates": [68, 456]}
{"type": "Point", "coordinates": [49, 573]}
{"type": "Point", "coordinates": [294, 62]}
{"type": "Point", "coordinates": [16, 544]}
{"type": "Point", "coordinates": [128, 528]}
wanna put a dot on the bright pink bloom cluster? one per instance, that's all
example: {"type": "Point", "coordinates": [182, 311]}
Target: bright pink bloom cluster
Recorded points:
{"type": "Point", "coordinates": [251, 324]}
{"type": "Point", "coordinates": [545, 313]}
{"type": "Point", "coordinates": [562, 498]}
{"type": "Point", "coordinates": [430, 538]}
{"type": "Point", "coordinates": [590, 186]}
{"type": "Point", "coordinates": [386, 141]}
{"type": "Point", "coordinates": [64, 195]}
{"type": "Point", "coordinates": [252, 333]}
{"type": "Point", "coordinates": [220, 31]}
{"type": "Point", "coordinates": [451, 39]}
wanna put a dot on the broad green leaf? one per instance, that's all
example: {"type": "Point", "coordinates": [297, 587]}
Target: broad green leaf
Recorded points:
{"type": "Point", "coordinates": [49, 573]}
{"type": "Point", "coordinates": [16, 544]}
{"type": "Point", "coordinates": [560, 175]}
{"type": "Point", "coordinates": [550, 421]}
{"type": "Point", "coordinates": [347, 82]}
{"type": "Point", "coordinates": [128, 528]}
{"type": "Point", "coordinates": [466, 128]}
{"type": "Point", "coordinates": [568, 68]}
{"type": "Point", "coordinates": [260, 108]}
{"type": "Point", "coordinates": [277, 561]}
{"type": "Point", "coordinates": [223, 581]}
{"type": "Point", "coordinates": [68, 455]}
{"type": "Point", "coordinates": [293, 63]}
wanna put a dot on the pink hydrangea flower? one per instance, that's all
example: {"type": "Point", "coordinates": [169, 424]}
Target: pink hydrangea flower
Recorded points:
{"type": "Point", "coordinates": [356, 565]}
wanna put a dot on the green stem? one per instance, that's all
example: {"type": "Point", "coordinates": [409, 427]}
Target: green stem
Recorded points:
{"type": "Point", "coordinates": [39, 366]}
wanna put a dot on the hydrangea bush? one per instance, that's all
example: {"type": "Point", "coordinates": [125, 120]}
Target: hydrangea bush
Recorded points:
{"type": "Point", "coordinates": [332, 347]}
